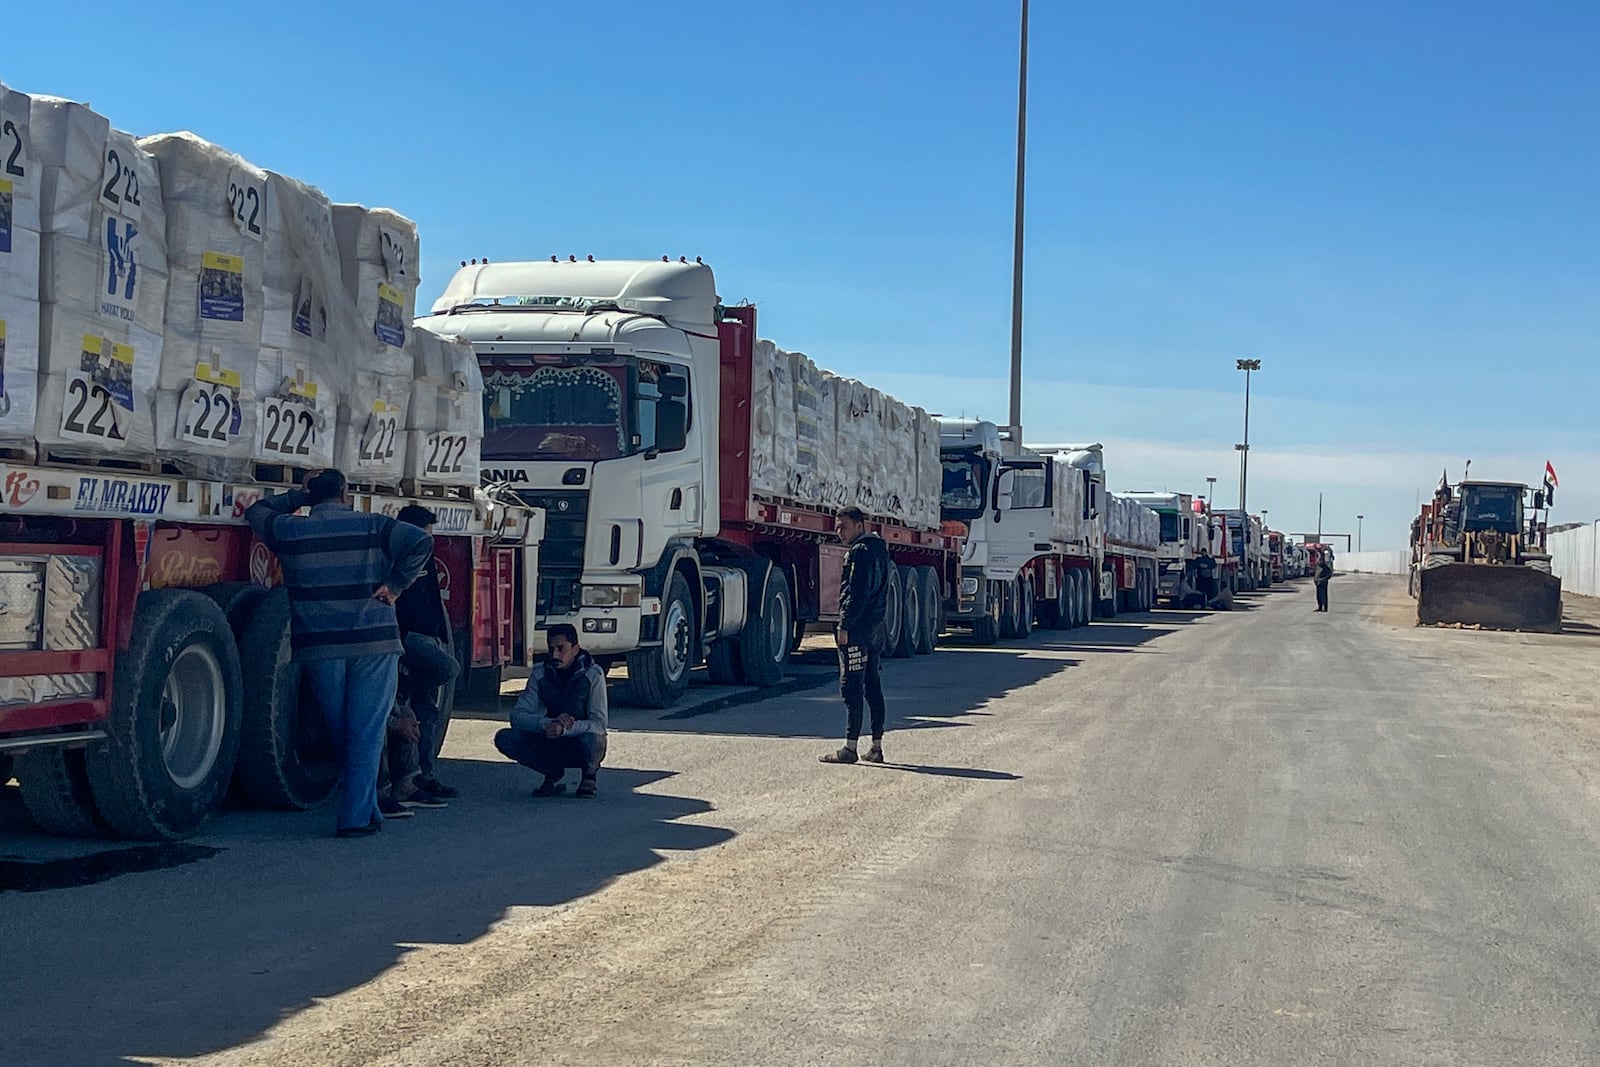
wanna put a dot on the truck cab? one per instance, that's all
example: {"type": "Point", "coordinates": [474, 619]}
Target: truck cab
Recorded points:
{"type": "Point", "coordinates": [1183, 534]}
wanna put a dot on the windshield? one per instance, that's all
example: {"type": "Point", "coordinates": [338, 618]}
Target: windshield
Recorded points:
{"type": "Point", "coordinates": [964, 478]}
{"type": "Point", "coordinates": [1169, 526]}
{"type": "Point", "coordinates": [1492, 507]}
{"type": "Point", "coordinates": [597, 409]}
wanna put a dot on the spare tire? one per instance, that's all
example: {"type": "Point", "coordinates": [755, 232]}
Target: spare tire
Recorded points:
{"type": "Point", "coordinates": [173, 729]}
{"type": "Point", "coordinates": [286, 756]}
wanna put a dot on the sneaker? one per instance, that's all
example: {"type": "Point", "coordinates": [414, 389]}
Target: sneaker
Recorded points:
{"type": "Point", "coordinates": [360, 831]}
{"type": "Point", "coordinates": [844, 755]}
{"type": "Point", "coordinates": [392, 810]}
{"type": "Point", "coordinates": [422, 798]}
{"type": "Point", "coordinates": [586, 788]}
{"type": "Point", "coordinates": [875, 754]}
{"type": "Point", "coordinates": [438, 788]}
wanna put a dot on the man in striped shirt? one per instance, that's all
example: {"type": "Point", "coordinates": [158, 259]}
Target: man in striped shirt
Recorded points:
{"type": "Point", "coordinates": [343, 570]}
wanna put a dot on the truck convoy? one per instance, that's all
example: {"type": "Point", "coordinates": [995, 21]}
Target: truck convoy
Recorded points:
{"type": "Point", "coordinates": [690, 473]}
{"type": "Point", "coordinates": [1478, 558]}
{"type": "Point", "coordinates": [182, 333]}
{"type": "Point", "coordinates": [1244, 550]}
{"type": "Point", "coordinates": [1183, 536]}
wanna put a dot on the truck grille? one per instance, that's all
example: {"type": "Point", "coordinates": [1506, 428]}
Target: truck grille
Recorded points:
{"type": "Point", "coordinates": [566, 523]}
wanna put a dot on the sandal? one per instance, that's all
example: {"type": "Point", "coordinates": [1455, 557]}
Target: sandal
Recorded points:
{"type": "Point", "coordinates": [875, 754]}
{"type": "Point", "coordinates": [550, 789]}
{"type": "Point", "coordinates": [844, 755]}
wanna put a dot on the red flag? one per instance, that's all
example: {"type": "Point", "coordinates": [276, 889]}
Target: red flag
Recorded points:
{"type": "Point", "coordinates": [1550, 473]}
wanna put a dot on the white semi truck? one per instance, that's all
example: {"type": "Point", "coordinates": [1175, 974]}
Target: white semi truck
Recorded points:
{"type": "Point", "coordinates": [1183, 536]}
{"type": "Point", "coordinates": [691, 475]}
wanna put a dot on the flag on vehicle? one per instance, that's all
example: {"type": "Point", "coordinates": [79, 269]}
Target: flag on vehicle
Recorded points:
{"type": "Point", "coordinates": [1550, 483]}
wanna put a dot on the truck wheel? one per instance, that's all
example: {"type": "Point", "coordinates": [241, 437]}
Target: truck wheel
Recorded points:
{"type": "Point", "coordinates": [237, 601]}
{"type": "Point", "coordinates": [911, 622]}
{"type": "Point", "coordinates": [932, 608]}
{"type": "Point", "coordinates": [1008, 610]}
{"type": "Point", "coordinates": [764, 641]}
{"type": "Point", "coordinates": [55, 792]}
{"type": "Point", "coordinates": [175, 720]}
{"type": "Point", "coordinates": [722, 662]}
{"type": "Point", "coordinates": [1108, 608]}
{"type": "Point", "coordinates": [286, 758]}
{"type": "Point", "coordinates": [1025, 607]}
{"type": "Point", "coordinates": [894, 607]}
{"type": "Point", "coordinates": [660, 675]}
{"type": "Point", "coordinates": [986, 627]}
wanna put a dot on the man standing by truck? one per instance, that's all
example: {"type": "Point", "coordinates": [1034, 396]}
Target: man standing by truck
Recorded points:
{"type": "Point", "coordinates": [343, 571]}
{"type": "Point", "coordinates": [863, 598]}
{"type": "Point", "coordinates": [1323, 574]}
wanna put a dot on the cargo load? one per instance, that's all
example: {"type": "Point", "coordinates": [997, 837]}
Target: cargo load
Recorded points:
{"type": "Point", "coordinates": [824, 441]}
{"type": "Point", "coordinates": [444, 424]}
{"type": "Point", "coordinates": [20, 174]}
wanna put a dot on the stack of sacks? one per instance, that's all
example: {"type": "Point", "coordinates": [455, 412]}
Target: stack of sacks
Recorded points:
{"type": "Point", "coordinates": [772, 431]}
{"type": "Point", "coordinates": [444, 427]}
{"type": "Point", "coordinates": [813, 434]}
{"type": "Point", "coordinates": [207, 418]}
{"type": "Point", "coordinates": [377, 258]}
{"type": "Point", "coordinates": [308, 320]}
{"type": "Point", "coordinates": [102, 284]}
{"type": "Point", "coordinates": [930, 473]}
{"type": "Point", "coordinates": [897, 466]}
{"type": "Point", "coordinates": [19, 272]}
{"type": "Point", "coordinates": [1067, 521]}
{"type": "Point", "coordinates": [860, 448]}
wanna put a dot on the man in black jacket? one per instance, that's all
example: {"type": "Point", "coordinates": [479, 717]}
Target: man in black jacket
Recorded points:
{"type": "Point", "coordinates": [863, 597]}
{"type": "Point", "coordinates": [429, 662]}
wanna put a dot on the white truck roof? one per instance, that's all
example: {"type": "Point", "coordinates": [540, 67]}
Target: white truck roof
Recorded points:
{"type": "Point", "coordinates": [683, 293]}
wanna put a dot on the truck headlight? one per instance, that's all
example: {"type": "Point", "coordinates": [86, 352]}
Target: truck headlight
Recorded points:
{"type": "Point", "coordinates": [611, 596]}
{"type": "Point", "coordinates": [969, 587]}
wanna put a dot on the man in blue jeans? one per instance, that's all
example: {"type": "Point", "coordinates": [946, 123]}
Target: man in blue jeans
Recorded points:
{"type": "Point", "coordinates": [560, 719]}
{"type": "Point", "coordinates": [343, 570]}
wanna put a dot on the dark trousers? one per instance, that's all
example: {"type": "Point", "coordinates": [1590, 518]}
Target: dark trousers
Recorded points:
{"type": "Point", "coordinates": [1322, 596]}
{"type": "Point", "coordinates": [861, 682]}
{"type": "Point", "coordinates": [551, 756]}
{"type": "Point", "coordinates": [429, 667]}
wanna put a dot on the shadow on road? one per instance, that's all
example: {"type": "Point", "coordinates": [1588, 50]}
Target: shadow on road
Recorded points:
{"type": "Point", "coordinates": [951, 772]}
{"type": "Point", "coordinates": [210, 955]}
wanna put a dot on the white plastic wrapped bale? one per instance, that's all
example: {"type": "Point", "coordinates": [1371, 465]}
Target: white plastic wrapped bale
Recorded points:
{"type": "Point", "coordinates": [369, 445]}
{"type": "Point", "coordinates": [102, 283]}
{"type": "Point", "coordinates": [207, 416]}
{"type": "Point", "coordinates": [930, 473]}
{"type": "Point", "coordinates": [1067, 522]}
{"type": "Point", "coordinates": [20, 172]}
{"type": "Point", "coordinates": [378, 254]}
{"type": "Point", "coordinates": [772, 438]}
{"type": "Point", "coordinates": [812, 451]}
{"type": "Point", "coordinates": [297, 409]}
{"type": "Point", "coordinates": [444, 426]}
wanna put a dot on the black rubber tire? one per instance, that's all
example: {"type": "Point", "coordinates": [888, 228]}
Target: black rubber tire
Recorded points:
{"type": "Point", "coordinates": [764, 641]}
{"type": "Point", "coordinates": [722, 662]}
{"type": "Point", "coordinates": [1025, 607]}
{"type": "Point", "coordinates": [894, 609]}
{"type": "Point", "coordinates": [910, 615]}
{"type": "Point", "coordinates": [986, 627]}
{"type": "Point", "coordinates": [133, 789]}
{"type": "Point", "coordinates": [932, 609]}
{"type": "Point", "coordinates": [5, 770]}
{"type": "Point", "coordinates": [648, 678]}
{"type": "Point", "coordinates": [237, 601]}
{"type": "Point", "coordinates": [1108, 608]}
{"type": "Point", "coordinates": [55, 792]}
{"type": "Point", "coordinates": [286, 758]}
{"type": "Point", "coordinates": [1008, 611]}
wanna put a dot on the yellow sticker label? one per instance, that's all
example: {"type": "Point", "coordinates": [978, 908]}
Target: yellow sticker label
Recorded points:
{"type": "Point", "coordinates": [122, 354]}
{"type": "Point", "coordinates": [2, 329]}
{"type": "Point", "coordinates": [222, 261]}
{"type": "Point", "coordinates": [92, 343]}
{"type": "Point", "coordinates": [308, 390]}
{"type": "Point", "coordinates": [383, 407]}
{"type": "Point", "coordinates": [217, 376]}
{"type": "Point", "coordinates": [5, 186]}
{"type": "Point", "coordinates": [388, 293]}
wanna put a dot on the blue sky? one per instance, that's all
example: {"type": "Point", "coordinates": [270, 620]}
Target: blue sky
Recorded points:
{"type": "Point", "coordinates": [1391, 205]}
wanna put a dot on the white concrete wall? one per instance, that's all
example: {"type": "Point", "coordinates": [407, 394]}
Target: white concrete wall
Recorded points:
{"type": "Point", "coordinates": [1397, 562]}
{"type": "Point", "coordinates": [1574, 560]}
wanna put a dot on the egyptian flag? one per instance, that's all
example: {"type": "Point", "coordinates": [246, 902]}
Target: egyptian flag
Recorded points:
{"type": "Point", "coordinates": [1550, 483]}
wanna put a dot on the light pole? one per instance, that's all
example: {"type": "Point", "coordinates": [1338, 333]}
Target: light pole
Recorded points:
{"type": "Point", "coordinates": [1016, 238]}
{"type": "Point", "coordinates": [1211, 492]}
{"type": "Point", "coordinates": [1358, 531]}
{"type": "Point", "coordinates": [1246, 365]}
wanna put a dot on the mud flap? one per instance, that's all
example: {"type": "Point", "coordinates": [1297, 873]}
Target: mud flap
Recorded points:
{"type": "Point", "coordinates": [1495, 597]}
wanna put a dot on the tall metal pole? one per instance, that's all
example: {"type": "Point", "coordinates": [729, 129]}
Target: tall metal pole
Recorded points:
{"type": "Point", "coordinates": [1016, 252]}
{"type": "Point", "coordinates": [1246, 365]}
{"type": "Point", "coordinates": [1319, 518]}
{"type": "Point", "coordinates": [1358, 531]}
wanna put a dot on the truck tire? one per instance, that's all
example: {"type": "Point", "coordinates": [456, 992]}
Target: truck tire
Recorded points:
{"type": "Point", "coordinates": [722, 662]}
{"type": "Point", "coordinates": [237, 601]}
{"type": "Point", "coordinates": [894, 607]}
{"type": "Point", "coordinates": [55, 792]}
{"type": "Point", "coordinates": [286, 758]}
{"type": "Point", "coordinates": [764, 641]}
{"type": "Point", "coordinates": [1108, 607]}
{"type": "Point", "coordinates": [911, 621]}
{"type": "Point", "coordinates": [932, 609]}
{"type": "Point", "coordinates": [174, 728]}
{"type": "Point", "coordinates": [1009, 611]}
{"type": "Point", "coordinates": [1025, 607]}
{"type": "Point", "coordinates": [986, 627]}
{"type": "Point", "coordinates": [660, 675]}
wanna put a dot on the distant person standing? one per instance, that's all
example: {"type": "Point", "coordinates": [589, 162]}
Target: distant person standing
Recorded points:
{"type": "Point", "coordinates": [863, 598]}
{"type": "Point", "coordinates": [343, 570]}
{"type": "Point", "coordinates": [1323, 573]}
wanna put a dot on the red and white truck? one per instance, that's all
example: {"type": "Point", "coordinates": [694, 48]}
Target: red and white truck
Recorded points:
{"type": "Point", "coordinates": [144, 644]}
{"type": "Point", "coordinates": [690, 473]}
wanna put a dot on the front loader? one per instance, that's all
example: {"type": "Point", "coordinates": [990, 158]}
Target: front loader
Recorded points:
{"type": "Point", "coordinates": [1475, 562]}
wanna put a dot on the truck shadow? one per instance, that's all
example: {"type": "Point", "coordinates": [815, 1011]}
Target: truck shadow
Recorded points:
{"type": "Point", "coordinates": [212, 954]}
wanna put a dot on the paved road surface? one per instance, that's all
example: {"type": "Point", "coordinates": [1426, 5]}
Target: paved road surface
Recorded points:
{"type": "Point", "coordinates": [1265, 837]}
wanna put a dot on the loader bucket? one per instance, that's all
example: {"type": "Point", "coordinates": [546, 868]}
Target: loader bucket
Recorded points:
{"type": "Point", "coordinates": [1493, 596]}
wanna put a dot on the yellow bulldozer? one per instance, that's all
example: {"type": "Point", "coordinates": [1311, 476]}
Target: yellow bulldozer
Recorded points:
{"type": "Point", "coordinates": [1478, 559]}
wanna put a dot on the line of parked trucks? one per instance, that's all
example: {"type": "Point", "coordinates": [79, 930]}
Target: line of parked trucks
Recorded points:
{"type": "Point", "coordinates": [653, 474]}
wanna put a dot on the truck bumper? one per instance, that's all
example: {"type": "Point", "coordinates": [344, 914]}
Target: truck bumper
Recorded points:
{"type": "Point", "coordinates": [601, 631]}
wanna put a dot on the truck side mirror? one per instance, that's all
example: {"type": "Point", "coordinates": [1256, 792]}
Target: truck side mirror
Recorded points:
{"type": "Point", "coordinates": [1003, 487]}
{"type": "Point", "coordinates": [672, 425]}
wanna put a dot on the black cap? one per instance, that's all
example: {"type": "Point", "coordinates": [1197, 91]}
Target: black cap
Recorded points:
{"type": "Point", "coordinates": [417, 515]}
